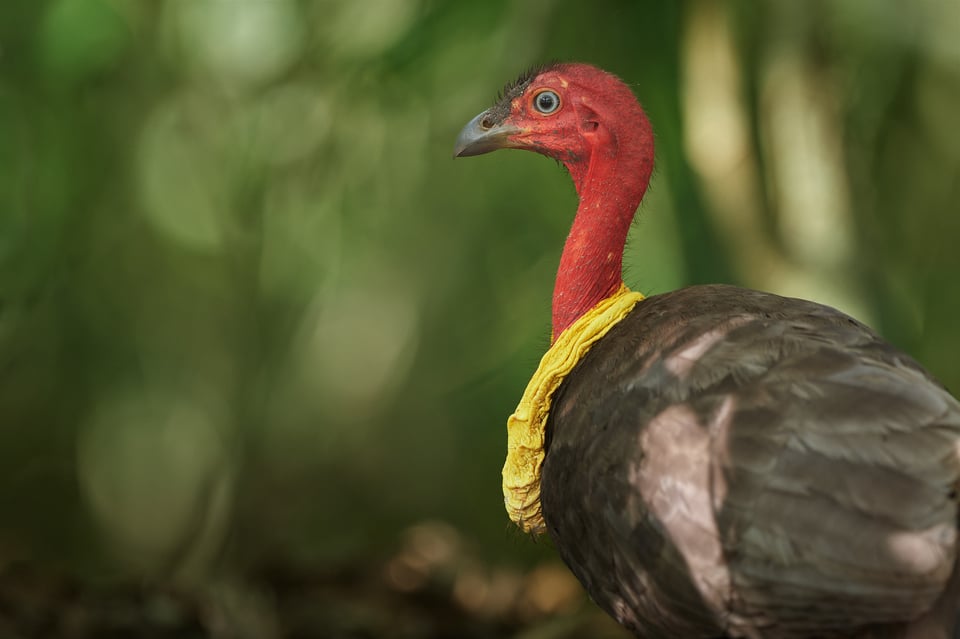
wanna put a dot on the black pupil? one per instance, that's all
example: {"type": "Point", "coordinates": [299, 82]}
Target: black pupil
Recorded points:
{"type": "Point", "coordinates": [546, 102]}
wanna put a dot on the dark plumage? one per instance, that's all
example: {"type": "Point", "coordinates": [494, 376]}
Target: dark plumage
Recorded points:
{"type": "Point", "coordinates": [729, 461]}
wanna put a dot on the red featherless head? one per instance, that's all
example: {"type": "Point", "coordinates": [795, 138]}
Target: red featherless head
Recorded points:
{"type": "Point", "coordinates": [591, 122]}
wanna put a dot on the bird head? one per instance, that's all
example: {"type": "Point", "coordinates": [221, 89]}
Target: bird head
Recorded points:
{"type": "Point", "coordinates": [590, 121]}
{"type": "Point", "coordinates": [571, 112]}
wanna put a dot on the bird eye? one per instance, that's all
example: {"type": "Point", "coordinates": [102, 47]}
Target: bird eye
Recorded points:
{"type": "Point", "coordinates": [546, 102]}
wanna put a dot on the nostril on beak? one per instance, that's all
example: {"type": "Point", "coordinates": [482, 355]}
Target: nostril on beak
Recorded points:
{"type": "Point", "coordinates": [486, 124]}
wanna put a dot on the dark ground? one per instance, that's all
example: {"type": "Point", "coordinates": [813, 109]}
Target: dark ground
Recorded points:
{"type": "Point", "coordinates": [432, 587]}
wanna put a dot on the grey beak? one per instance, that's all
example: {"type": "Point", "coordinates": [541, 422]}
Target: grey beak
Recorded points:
{"type": "Point", "coordinates": [480, 136]}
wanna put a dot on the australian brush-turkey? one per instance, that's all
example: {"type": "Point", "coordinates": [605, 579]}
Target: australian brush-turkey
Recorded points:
{"type": "Point", "coordinates": [716, 461]}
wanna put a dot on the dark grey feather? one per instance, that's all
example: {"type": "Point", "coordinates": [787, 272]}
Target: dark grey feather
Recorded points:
{"type": "Point", "coordinates": [733, 463]}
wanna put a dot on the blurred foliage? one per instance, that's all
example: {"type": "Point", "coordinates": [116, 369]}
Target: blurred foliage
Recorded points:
{"type": "Point", "coordinates": [251, 310]}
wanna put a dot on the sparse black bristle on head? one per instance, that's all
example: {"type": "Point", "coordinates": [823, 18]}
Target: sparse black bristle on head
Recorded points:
{"type": "Point", "coordinates": [511, 90]}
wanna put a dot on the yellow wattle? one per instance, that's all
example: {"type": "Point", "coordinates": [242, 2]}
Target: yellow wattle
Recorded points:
{"type": "Point", "coordinates": [526, 427]}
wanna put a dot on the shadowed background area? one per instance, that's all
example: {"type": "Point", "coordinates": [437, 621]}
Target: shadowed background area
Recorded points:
{"type": "Point", "coordinates": [259, 334]}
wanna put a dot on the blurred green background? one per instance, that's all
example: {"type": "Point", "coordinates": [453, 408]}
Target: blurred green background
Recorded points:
{"type": "Point", "coordinates": [252, 312]}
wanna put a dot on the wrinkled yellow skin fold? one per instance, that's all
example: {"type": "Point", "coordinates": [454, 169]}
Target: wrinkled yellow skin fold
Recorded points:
{"type": "Point", "coordinates": [526, 427]}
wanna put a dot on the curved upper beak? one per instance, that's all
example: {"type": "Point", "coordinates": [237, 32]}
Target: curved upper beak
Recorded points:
{"type": "Point", "coordinates": [479, 137]}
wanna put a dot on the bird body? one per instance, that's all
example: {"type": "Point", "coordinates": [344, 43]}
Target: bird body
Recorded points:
{"type": "Point", "coordinates": [716, 461]}
{"type": "Point", "coordinates": [755, 466]}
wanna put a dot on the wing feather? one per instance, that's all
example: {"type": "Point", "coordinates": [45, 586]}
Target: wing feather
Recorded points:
{"type": "Point", "coordinates": [761, 463]}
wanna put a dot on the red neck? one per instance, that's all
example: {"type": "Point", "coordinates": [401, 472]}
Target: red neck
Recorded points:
{"type": "Point", "coordinates": [610, 187]}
